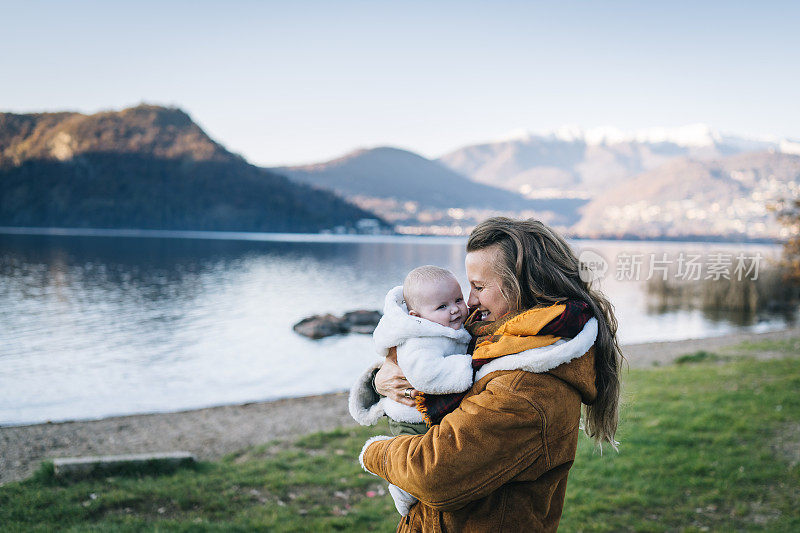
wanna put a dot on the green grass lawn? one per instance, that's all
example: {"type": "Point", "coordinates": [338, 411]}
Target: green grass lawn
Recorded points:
{"type": "Point", "coordinates": [712, 444]}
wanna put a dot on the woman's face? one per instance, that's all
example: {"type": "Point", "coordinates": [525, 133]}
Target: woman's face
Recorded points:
{"type": "Point", "coordinates": [485, 285]}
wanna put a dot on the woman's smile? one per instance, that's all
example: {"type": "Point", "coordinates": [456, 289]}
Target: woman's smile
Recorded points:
{"type": "Point", "coordinates": [486, 286]}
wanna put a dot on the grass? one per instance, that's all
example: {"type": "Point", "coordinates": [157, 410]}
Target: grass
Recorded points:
{"type": "Point", "coordinates": [704, 447]}
{"type": "Point", "coordinates": [697, 357]}
{"type": "Point", "coordinates": [777, 346]}
{"type": "Point", "coordinates": [709, 446]}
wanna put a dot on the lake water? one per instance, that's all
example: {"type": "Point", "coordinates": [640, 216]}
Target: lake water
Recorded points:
{"type": "Point", "coordinates": [93, 326]}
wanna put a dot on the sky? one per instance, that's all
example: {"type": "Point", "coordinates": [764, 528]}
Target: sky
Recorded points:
{"type": "Point", "coordinates": [297, 82]}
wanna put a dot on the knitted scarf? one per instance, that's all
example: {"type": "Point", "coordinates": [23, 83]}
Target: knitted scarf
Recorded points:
{"type": "Point", "coordinates": [512, 333]}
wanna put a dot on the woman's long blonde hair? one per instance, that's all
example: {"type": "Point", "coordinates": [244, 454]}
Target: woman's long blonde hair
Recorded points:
{"type": "Point", "coordinates": [537, 266]}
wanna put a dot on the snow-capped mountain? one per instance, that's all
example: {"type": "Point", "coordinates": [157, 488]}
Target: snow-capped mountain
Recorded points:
{"type": "Point", "coordinates": [691, 135]}
{"type": "Point", "coordinates": [576, 162]}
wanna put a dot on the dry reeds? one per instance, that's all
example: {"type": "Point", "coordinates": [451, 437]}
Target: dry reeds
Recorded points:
{"type": "Point", "coordinates": [769, 292]}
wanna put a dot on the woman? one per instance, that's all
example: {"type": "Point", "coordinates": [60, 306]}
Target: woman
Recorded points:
{"type": "Point", "coordinates": [499, 461]}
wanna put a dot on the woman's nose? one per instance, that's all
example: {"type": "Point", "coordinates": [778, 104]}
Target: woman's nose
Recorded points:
{"type": "Point", "coordinates": [472, 301]}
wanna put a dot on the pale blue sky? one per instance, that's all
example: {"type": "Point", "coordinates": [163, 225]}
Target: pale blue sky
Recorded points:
{"type": "Point", "coordinates": [293, 82]}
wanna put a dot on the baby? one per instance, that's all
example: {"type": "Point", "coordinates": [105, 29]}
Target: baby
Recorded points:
{"type": "Point", "coordinates": [424, 319]}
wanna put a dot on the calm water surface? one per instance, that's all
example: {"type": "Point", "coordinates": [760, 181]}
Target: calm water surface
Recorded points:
{"type": "Point", "coordinates": [99, 326]}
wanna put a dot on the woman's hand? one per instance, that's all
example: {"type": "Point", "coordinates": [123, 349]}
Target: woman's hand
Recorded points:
{"type": "Point", "coordinates": [390, 381]}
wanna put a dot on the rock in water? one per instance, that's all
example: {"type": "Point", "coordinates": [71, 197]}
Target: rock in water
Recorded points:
{"type": "Point", "coordinates": [319, 326]}
{"type": "Point", "coordinates": [361, 321]}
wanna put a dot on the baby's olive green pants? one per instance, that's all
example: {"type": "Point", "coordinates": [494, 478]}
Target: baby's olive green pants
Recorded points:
{"type": "Point", "coordinates": [407, 428]}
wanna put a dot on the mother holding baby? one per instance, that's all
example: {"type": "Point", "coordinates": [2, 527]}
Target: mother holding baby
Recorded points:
{"type": "Point", "coordinates": [544, 344]}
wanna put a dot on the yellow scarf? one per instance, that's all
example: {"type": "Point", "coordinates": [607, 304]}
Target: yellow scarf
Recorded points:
{"type": "Point", "coordinates": [513, 333]}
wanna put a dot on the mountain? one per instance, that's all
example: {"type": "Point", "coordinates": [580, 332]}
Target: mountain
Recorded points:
{"type": "Point", "coordinates": [571, 162]}
{"type": "Point", "coordinates": [399, 175]}
{"type": "Point", "coordinates": [146, 129]}
{"type": "Point", "coordinates": [728, 196]}
{"type": "Point", "coordinates": [146, 167]}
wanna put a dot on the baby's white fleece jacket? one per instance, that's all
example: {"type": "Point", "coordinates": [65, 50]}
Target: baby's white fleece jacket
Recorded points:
{"type": "Point", "coordinates": [432, 357]}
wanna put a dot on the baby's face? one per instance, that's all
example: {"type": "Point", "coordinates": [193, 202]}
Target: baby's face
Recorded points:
{"type": "Point", "coordinates": [441, 302]}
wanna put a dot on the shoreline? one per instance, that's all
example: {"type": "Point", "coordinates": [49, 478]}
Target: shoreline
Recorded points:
{"type": "Point", "coordinates": [49, 231]}
{"type": "Point", "coordinates": [213, 432]}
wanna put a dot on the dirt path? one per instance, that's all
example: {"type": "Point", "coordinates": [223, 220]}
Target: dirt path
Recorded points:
{"type": "Point", "coordinates": [664, 353]}
{"type": "Point", "coordinates": [213, 432]}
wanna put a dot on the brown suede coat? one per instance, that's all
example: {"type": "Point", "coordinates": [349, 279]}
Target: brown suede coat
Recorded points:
{"type": "Point", "coordinates": [500, 461]}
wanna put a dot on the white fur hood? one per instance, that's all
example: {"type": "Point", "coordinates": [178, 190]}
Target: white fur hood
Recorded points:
{"type": "Point", "coordinates": [396, 325]}
{"type": "Point", "coordinates": [540, 360]}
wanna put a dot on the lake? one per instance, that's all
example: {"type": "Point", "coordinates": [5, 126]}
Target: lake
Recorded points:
{"type": "Point", "coordinates": [117, 323]}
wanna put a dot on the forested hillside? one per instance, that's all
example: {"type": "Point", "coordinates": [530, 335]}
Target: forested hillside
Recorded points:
{"type": "Point", "coordinates": [146, 167]}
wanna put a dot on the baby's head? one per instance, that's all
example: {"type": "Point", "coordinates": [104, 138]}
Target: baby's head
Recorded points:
{"type": "Point", "coordinates": [434, 294]}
